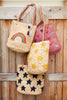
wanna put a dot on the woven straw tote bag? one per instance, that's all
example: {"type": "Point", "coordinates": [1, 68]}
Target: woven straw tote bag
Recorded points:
{"type": "Point", "coordinates": [28, 83]}
{"type": "Point", "coordinates": [38, 56]}
{"type": "Point", "coordinates": [50, 34]}
{"type": "Point", "coordinates": [21, 34]}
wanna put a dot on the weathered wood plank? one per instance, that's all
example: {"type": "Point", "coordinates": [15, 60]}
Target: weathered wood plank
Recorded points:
{"type": "Point", "coordinates": [65, 60]}
{"type": "Point", "coordinates": [52, 12]}
{"type": "Point", "coordinates": [5, 66]}
{"type": "Point", "coordinates": [51, 77]}
{"type": "Point", "coordinates": [59, 60]}
{"type": "Point", "coordinates": [12, 85]}
{"type": "Point", "coordinates": [51, 69]}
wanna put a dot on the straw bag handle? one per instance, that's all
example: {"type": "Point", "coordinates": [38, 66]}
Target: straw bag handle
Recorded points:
{"type": "Point", "coordinates": [24, 59]}
{"type": "Point", "coordinates": [41, 22]}
{"type": "Point", "coordinates": [33, 21]}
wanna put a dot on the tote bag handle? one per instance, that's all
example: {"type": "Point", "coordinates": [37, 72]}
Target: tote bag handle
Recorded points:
{"type": "Point", "coordinates": [42, 22]}
{"type": "Point", "coordinates": [25, 8]}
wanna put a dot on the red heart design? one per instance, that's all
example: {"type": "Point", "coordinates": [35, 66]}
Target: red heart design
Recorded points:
{"type": "Point", "coordinates": [38, 36]}
{"type": "Point", "coordinates": [48, 38]}
{"type": "Point", "coordinates": [47, 32]}
{"type": "Point", "coordinates": [50, 44]}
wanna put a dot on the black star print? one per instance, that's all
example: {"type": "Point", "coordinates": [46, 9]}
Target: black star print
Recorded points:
{"type": "Point", "coordinates": [39, 82]}
{"type": "Point", "coordinates": [43, 76]}
{"type": "Point", "coordinates": [17, 73]}
{"type": "Point", "coordinates": [19, 80]}
{"type": "Point", "coordinates": [29, 81]}
{"type": "Point", "coordinates": [35, 76]}
{"type": "Point", "coordinates": [21, 69]}
{"type": "Point", "coordinates": [25, 75]}
{"type": "Point", "coordinates": [33, 88]}
{"type": "Point", "coordinates": [23, 88]}
{"type": "Point", "coordinates": [42, 88]}
{"type": "Point", "coordinates": [17, 86]}
{"type": "Point", "coordinates": [41, 30]}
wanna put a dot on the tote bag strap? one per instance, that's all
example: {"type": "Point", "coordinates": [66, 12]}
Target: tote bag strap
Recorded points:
{"type": "Point", "coordinates": [25, 56]}
{"type": "Point", "coordinates": [25, 8]}
{"type": "Point", "coordinates": [41, 22]}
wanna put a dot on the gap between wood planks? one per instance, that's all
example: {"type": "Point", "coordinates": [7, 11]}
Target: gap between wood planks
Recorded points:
{"type": "Point", "coordinates": [51, 77]}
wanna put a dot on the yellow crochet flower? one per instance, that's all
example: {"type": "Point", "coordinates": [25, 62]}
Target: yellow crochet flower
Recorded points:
{"type": "Point", "coordinates": [43, 44]}
{"type": "Point", "coordinates": [33, 46]}
{"type": "Point", "coordinates": [33, 66]}
{"type": "Point", "coordinates": [47, 51]}
{"type": "Point", "coordinates": [40, 58]}
{"type": "Point", "coordinates": [54, 39]}
{"type": "Point", "coordinates": [45, 66]}
{"type": "Point", "coordinates": [30, 58]}
{"type": "Point", "coordinates": [36, 51]}
{"type": "Point", "coordinates": [50, 26]}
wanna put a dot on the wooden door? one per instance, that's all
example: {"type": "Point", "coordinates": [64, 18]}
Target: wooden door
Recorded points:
{"type": "Point", "coordinates": [56, 79]}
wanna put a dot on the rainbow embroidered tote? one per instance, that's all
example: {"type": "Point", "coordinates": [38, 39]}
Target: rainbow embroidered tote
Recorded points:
{"type": "Point", "coordinates": [28, 83]}
{"type": "Point", "coordinates": [21, 34]}
{"type": "Point", "coordinates": [38, 57]}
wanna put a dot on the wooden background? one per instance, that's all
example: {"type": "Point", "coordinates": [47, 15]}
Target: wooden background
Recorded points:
{"type": "Point", "coordinates": [56, 79]}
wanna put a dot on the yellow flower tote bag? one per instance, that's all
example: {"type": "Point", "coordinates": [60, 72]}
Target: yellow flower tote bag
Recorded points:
{"type": "Point", "coordinates": [38, 56]}
{"type": "Point", "coordinates": [21, 34]}
{"type": "Point", "coordinates": [28, 83]}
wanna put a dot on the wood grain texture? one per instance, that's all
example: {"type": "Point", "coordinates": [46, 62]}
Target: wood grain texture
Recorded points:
{"type": "Point", "coordinates": [51, 12]}
{"type": "Point", "coordinates": [59, 60]}
{"type": "Point", "coordinates": [5, 67]}
{"type": "Point", "coordinates": [65, 60]}
{"type": "Point", "coordinates": [12, 85]}
{"type": "Point", "coordinates": [51, 69]}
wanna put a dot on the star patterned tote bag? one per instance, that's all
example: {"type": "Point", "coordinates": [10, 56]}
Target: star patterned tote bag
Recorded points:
{"type": "Point", "coordinates": [50, 34]}
{"type": "Point", "coordinates": [38, 57]}
{"type": "Point", "coordinates": [28, 83]}
{"type": "Point", "coordinates": [21, 34]}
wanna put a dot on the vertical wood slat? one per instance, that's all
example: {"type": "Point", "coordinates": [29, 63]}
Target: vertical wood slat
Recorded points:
{"type": "Point", "coordinates": [65, 57]}
{"type": "Point", "coordinates": [59, 60]}
{"type": "Point", "coordinates": [5, 67]}
{"type": "Point", "coordinates": [51, 69]}
{"type": "Point", "coordinates": [65, 60]}
{"type": "Point", "coordinates": [12, 85]}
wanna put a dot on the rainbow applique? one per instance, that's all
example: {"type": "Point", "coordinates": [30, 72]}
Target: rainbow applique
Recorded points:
{"type": "Point", "coordinates": [21, 35]}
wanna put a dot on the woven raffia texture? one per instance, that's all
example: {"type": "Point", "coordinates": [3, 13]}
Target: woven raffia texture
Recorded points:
{"type": "Point", "coordinates": [50, 35]}
{"type": "Point", "coordinates": [38, 57]}
{"type": "Point", "coordinates": [21, 36]}
{"type": "Point", "coordinates": [28, 83]}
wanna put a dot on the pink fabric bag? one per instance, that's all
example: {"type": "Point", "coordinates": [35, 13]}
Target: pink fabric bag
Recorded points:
{"type": "Point", "coordinates": [50, 35]}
